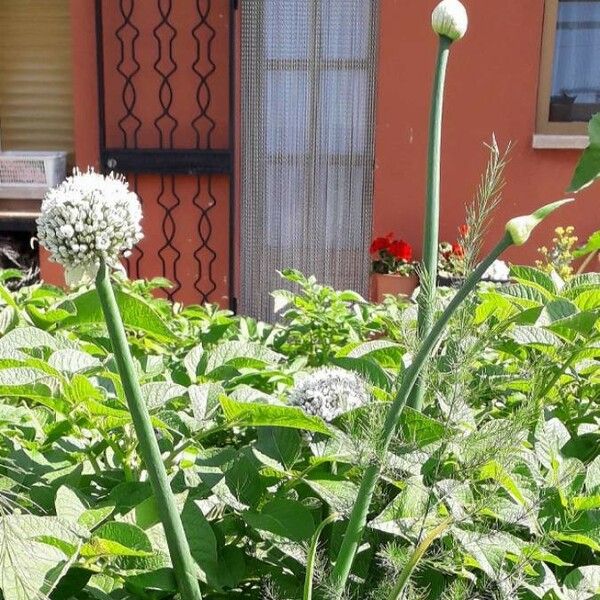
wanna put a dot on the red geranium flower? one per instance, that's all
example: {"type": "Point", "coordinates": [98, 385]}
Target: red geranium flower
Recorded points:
{"type": "Point", "coordinates": [463, 230]}
{"type": "Point", "coordinates": [381, 243]}
{"type": "Point", "coordinates": [458, 250]}
{"type": "Point", "coordinates": [401, 250]}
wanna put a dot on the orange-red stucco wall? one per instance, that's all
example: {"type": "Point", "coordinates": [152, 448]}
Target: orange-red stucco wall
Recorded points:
{"type": "Point", "coordinates": [491, 87]}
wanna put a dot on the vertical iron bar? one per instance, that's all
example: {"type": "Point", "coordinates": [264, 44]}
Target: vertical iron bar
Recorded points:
{"type": "Point", "coordinates": [100, 77]}
{"type": "Point", "coordinates": [232, 147]}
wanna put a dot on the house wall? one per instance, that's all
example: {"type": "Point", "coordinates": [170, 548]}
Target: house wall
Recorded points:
{"type": "Point", "coordinates": [491, 87]}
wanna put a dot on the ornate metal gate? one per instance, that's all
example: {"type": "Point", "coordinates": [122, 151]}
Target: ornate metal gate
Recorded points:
{"type": "Point", "coordinates": [166, 85]}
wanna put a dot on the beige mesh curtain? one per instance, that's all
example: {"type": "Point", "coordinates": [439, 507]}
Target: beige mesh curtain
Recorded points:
{"type": "Point", "coordinates": [308, 77]}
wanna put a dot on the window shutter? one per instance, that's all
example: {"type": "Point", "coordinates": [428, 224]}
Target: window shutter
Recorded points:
{"type": "Point", "coordinates": [35, 75]}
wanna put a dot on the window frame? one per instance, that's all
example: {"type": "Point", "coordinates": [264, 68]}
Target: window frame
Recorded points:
{"type": "Point", "coordinates": [543, 124]}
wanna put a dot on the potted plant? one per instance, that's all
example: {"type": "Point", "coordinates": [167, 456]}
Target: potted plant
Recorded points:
{"type": "Point", "coordinates": [393, 269]}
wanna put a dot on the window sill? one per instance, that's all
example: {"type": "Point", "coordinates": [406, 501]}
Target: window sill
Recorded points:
{"type": "Point", "coordinates": [545, 141]}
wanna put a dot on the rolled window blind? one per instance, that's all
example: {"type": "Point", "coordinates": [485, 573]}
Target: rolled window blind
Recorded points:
{"type": "Point", "coordinates": [35, 75]}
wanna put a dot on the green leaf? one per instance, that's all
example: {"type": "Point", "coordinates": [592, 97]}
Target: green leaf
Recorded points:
{"type": "Point", "coordinates": [118, 539]}
{"type": "Point", "coordinates": [495, 471]}
{"type": "Point", "coordinates": [161, 580]}
{"type": "Point", "coordinates": [68, 505]}
{"type": "Point", "coordinates": [27, 337]}
{"type": "Point", "coordinates": [367, 368]}
{"type": "Point", "coordinates": [584, 579]}
{"type": "Point", "coordinates": [556, 311]}
{"type": "Point", "coordinates": [576, 538]}
{"type": "Point", "coordinates": [592, 245]}
{"type": "Point", "coordinates": [137, 314]}
{"type": "Point", "coordinates": [533, 277]}
{"type": "Point", "coordinates": [386, 353]}
{"type": "Point", "coordinates": [588, 167]}
{"type": "Point", "coordinates": [251, 414]}
{"type": "Point", "coordinates": [157, 393]}
{"type": "Point", "coordinates": [420, 429]}
{"type": "Point", "coordinates": [588, 300]}
{"type": "Point", "coordinates": [201, 538]}
{"type": "Point", "coordinates": [242, 353]}
{"type": "Point", "coordinates": [278, 447]}
{"type": "Point", "coordinates": [535, 336]}
{"type": "Point", "coordinates": [72, 361]}
{"type": "Point", "coordinates": [285, 518]}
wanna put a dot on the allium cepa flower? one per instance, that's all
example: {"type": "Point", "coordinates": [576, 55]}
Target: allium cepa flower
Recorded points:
{"type": "Point", "coordinates": [87, 218]}
{"type": "Point", "coordinates": [449, 18]}
{"type": "Point", "coordinates": [328, 392]}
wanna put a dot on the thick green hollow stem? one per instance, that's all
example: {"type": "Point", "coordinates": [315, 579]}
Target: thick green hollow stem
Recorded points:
{"type": "Point", "coordinates": [414, 559]}
{"type": "Point", "coordinates": [358, 517]}
{"type": "Point", "coordinates": [311, 558]}
{"type": "Point", "coordinates": [183, 563]}
{"type": "Point", "coordinates": [432, 206]}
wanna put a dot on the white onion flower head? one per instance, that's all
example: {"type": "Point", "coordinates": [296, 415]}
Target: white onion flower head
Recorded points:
{"type": "Point", "coordinates": [329, 392]}
{"type": "Point", "coordinates": [450, 19]}
{"type": "Point", "coordinates": [88, 218]}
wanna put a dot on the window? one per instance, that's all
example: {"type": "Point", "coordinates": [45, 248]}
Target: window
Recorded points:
{"type": "Point", "coordinates": [35, 75]}
{"type": "Point", "coordinates": [569, 92]}
{"type": "Point", "coordinates": [308, 81]}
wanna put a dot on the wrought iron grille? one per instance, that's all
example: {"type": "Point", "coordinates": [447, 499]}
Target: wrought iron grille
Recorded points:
{"type": "Point", "coordinates": [166, 102]}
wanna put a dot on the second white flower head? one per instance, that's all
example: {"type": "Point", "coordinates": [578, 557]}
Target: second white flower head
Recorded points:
{"type": "Point", "coordinates": [89, 217]}
{"type": "Point", "coordinates": [449, 18]}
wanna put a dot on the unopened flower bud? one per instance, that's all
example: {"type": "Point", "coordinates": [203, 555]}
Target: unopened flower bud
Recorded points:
{"type": "Point", "coordinates": [519, 229]}
{"type": "Point", "coordinates": [449, 18]}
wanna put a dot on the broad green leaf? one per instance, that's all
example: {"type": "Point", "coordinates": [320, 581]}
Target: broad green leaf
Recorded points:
{"type": "Point", "coordinates": [201, 538]}
{"type": "Point", "coordinates": [367, 368]}
{"type": "Point", "coordinates": [588, 167]}
{"type": "Point", "coordinates": [420, 429]}
{"type": "Point", "coordinates": [576, 538]}
{"type": "Point", "coordinates": [584, 579]}
{"type": "Point", "coordinates": [157, 394]}
{"type": "Point", "coordinates": [592, 245]}
{"type": "Point", "coordinates": [535, 336]}
{"type": "Point", "coordinates": [556, 310]}
{"type": "Point", "coordinates": [250, 414]}
{"type": "Point", "coordinates": [136, 312]}
{"type": "Point", "coordinates": [68, 505]}
{"type": "Point", "coordinates": [192, 360]}
{"type": "Point", "coordinates": [339, 493]}
{"type": "Point", "coordinates": [533, 277]}
{"type": "Point", "coordinates": [29, 567]}
{"type": "Point", "coordinates": [278, 447]}
{"type": "Point", "coordinates": [588, 300]}
{"type": "Point", "coordinates": [118, 539]}
{"type": "Point", "coordinates": [230, 352]}
{"type": "Point", "coordinates": [285, 518]}
{"type": "Point", "coordinates": [27, 337]}
{"type": "Point", "coordinates": [386, 353]}
{"type": "Point", "coordinates": [494, 470]}
{"type": "Point", "coordinates": [159, 581]}
{"type": "Point", "coordinates": [72, 361]}
{"type": "Point", "coordinates": [204, 398]}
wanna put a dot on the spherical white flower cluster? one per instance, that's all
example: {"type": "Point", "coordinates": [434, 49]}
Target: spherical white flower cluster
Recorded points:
{"type": "Point", "coordinates": [89, 217]}
{"type": "Point", "coordinates": [328, 392]}
{"type": "Point", "coordinates": [497, 271]}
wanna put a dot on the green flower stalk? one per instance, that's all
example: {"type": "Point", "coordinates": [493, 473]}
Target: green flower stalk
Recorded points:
{"type": "Point", "coordinates": [86, 223]}
{"type": "Point", "coordinates": [449, 20]}
{"type": "Point", "coordinates": [358, 518]}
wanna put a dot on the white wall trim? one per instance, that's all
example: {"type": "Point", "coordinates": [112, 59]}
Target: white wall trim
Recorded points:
{"type": "Point", "coordinates": [545, 141]}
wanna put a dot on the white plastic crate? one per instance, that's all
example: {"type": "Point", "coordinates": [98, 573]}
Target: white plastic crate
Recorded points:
{"type": "Point", "coordinates": [30, 174]}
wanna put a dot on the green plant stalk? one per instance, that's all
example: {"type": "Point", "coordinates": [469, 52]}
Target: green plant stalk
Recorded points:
{"type": "Point", "coordinates": [311, 558]}
{"type": "Point", "coordinates": [415, 557]}
{"type": "Point", "coordinates": [431, 227]}
{"type": "Point", "coordinates": [358, 517]}
{"type": "Point", "coordinates": [179, 550]}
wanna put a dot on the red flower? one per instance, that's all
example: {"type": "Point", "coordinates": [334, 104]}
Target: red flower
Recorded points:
{"type": "Point", "coordinates": [463, 230]}
{"type": "Point", "coordinates": [381, 243]}
{"type": "Point", "coordinates": [458, 250]}
{"type": "Point", "coordinates": [401, 250]}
